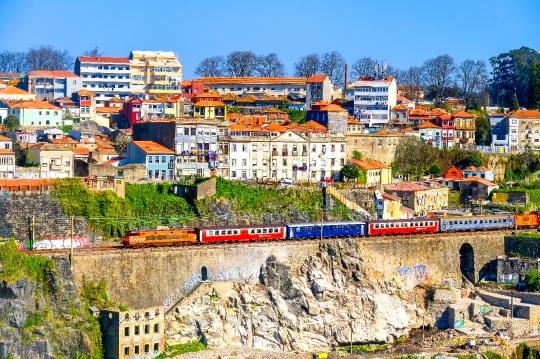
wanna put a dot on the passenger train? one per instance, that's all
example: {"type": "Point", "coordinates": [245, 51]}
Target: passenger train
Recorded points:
{"type": "Point", "coordinates": [182, 236]}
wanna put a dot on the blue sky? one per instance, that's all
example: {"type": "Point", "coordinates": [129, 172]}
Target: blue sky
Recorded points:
{"type": "Point", "coordinates": [405, 33]}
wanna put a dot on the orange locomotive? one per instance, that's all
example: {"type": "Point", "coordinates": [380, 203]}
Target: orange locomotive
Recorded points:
{"type": "Point", "coordinates": [529, 220]}
{"type": "Point", "coordinates": [159, 237]}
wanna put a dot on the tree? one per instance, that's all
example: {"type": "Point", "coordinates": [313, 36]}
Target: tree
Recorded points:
{"type": "Point", "coordinates": [434, 170]}
{"type": "Point", "coordinates": [333, 65]}
{"type": "Point", "coordinates": [11, 122]}
{"type": "Point", "coordinates": [534, 88]}
{"type": "Point", "coordinates": [511, 74]}
{"type": "Point", "coordinates": [94, 52]}
{"type": "Point", "coordinates": [357, 155]}
{"type": "Point", "coordinates": [212, 66]}
{"type": "Point", "coordinates": [472, 160]}
{"type": "Point", "coordinates": [307, 65]}
{"type": "Point", "coordinates": [472, 78]}
{"type": "Point", "coordinates": [271, 66]}
{"type": "Point", "coordinates": [533, 280]}
{"type": "Point", "coordinates": [350, 171]}
{"type": "Point", "coordinates": [439, 73]}
{"type": "Point", "coordinates": [482, 135]}
{"type": "Point", "coordinates": [414, 156]}
{"type": "Point", "coordinates": [13, 61]}
{"type": "Point", "coordinates": [413, 79]}
{"type": "Point", "coordinates": [363, 67]}
{"type": "Point", "coordinates": [515, 104]}
{"type": "Point", "coordinates": [28, 160]}
{"type": "Point", "coordinates": [48, 58]}
{"type": "Point", "coordinates": [242, 64]}
{"type": "Point", "coordinates": [121, 141]}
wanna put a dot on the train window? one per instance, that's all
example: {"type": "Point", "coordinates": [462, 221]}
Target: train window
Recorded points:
{"type": "Point", "coordinates": [259, 230]}
{"type": "Point", "coordinates": [490, 221]}
{"type": "Point", "coordinates": [303, 229]}
{"type": "Point", "coordinates": [210, 233]}
{"type": "Point", "coordinates": [265, 230]}
{"type": "Point", "coordinates": [357, 226]}
{"type": "Point", "coordinates": [504, 220]}
{"type": "Point", "coordinates": [340, 227]}
{"type": "Point", "coordinates": [236, 231]}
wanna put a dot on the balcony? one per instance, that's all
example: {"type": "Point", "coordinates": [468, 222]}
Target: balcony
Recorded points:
{"type": "Point", "coordinates": [304, 153]}
{"type": "Point", "coordinates": [284, 153]}
{"type": "Point", "coordinates": [295, 153]}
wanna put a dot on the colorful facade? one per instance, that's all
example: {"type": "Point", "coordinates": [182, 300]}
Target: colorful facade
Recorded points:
{"type": "Point", "coordinates": [155, 73]}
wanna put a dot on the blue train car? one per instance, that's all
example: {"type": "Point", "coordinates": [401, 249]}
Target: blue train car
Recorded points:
{"type": "Point", "coordinates": [450, 224]}
{"type": "Point", "coordinates": [329, 230]}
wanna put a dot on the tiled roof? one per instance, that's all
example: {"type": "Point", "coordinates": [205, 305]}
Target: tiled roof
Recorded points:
{"type": "Point", "coordinates": [4, 138]}
{"type": "Point", "coordinates": [6, 152]}
{"type": "Point", "coordinates": [151, 147]}
{"type": "Point", "coordinates": [12, 75]}
{"type": "Point", "coordinates": [107, 109]}
{"type": "Point", "coordinates": [483, 181]}
{"type": "Point", "coordinates": [316, 78]}
{"type": "Point", "coordinates": [390, 197]}
{"type": "Point", "coordinates": [525, 113]}
{"type": "Point", "coordinates": [368, 165]}
{"type": "Point", "coordinates": [403, 99]}
{"type": "Point", "coordinates": [479, 168]}
{"type": "Point", "coordinates": [106, 151]}
{"type": "Point", "coordinates": [400, 107]}
{"type": "Point", "coordinates": [252, 80]}
{"type": "Point", "coordinates": [209, 104]}
{"type": "Point", "coordinates": [437, 112]}
{"type": "Point", "coordinates": [445, 117]}
{"type": "Point", "coordinates": [81, 151]}
{"type": "Point", "coordinates": [428, 125]}
{"type": "Point", "coordinates": [116, 99]}
{"type": "Point", "coordinates": [247, 99]}
{"type": "Point", "coordinates": [104, 59]}
{"type": "Point", "coordinates": [66, 140]}
{"type": "Point", "coordinates": [38, 105]}
{"type": "Point", "coordinates": [408, 187]}
{"type": "Point", "coordinates": [463, 114]}
{"type": "Point", "coordinates": [86, 93]}
{"type": "Point", "coordinates": [54, 147]}
{"type": "Point", "coordinates": [229, 96]}
{"type": "Point", "coordinates": [12, 90]}
{"type": "Point", "coordinates": [352, 121]}
{"type": "Point", "coordinates": [46, 73]}
{"type": "Point", "coordinates": [267, 97]}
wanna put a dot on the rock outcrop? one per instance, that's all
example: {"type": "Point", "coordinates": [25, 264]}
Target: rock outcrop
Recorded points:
{"type": "Point", "coordinates": [327, 300]}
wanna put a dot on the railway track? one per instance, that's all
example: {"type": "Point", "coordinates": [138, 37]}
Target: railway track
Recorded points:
{"type": "Point", "coordinates": [197, 246]}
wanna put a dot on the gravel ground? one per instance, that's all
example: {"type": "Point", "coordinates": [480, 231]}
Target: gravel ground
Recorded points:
{"type": "Point", "coordinates": [243, 353]}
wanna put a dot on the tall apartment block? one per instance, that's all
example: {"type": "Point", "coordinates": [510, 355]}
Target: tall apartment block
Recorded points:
{"type": "Point", "coordinates": [155, 74]}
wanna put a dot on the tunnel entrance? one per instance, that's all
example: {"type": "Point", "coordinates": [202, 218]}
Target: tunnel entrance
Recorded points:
{"type": "Point", "coordinates": [466, 263]}
{"type": "Point", "coordinates": [204, 273]}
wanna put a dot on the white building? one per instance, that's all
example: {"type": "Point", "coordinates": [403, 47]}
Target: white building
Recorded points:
{"type": "Point", "coordinates": [51, 85]}
{"type": "Point", "coordinates": [512, 124]}
{"type": "Point", "coordinates": [373, 100]}
{"type": "Point", "coordinates": [294, 87]}
{"type": "Point", "coordinates": [318, 88]}
{"type": "Point", "coordinates": [105, 76]}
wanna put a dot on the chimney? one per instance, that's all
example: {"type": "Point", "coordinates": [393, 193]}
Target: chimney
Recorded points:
{"type": "Point", "coordinates": [346, 81]}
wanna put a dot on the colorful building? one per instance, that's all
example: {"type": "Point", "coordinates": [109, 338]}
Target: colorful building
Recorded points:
{"type": "Point", "coordinates": [430, 133]}
{"type": "Point", "coordinates": [158, 159]}
{"type": "Point", "coordinates": [420, 196]}
{"type": "Point", "coordinates": [14, 93]}
{"type": "Point", "coordinates": [51, 85]}
{"type": "Point", "coordinates": [34, 113]}
{"type": "Point", "coordinates": [446, 122]}
{"type": "Point", "coordinates": [465, 127]}
{"type": "Point", "coordinates": [155, 73]}
{"type": "Point", "coordinates": [318, 88]}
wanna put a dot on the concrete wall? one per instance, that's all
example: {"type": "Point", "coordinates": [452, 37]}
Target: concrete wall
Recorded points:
{"type": "Point", "coordinates": [198, 191]}
{"type": "Point", "coordinates": [149, 277]}
{"type": "Point", "coordinates": [132, 173]}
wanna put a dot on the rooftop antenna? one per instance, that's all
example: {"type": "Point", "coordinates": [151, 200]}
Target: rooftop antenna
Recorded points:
{"type": "Point", "coordinates": [384, 68]}
{"type": "Point", "coordinates": [376, 68]}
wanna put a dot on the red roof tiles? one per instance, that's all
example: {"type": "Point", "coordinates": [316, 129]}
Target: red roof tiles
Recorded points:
{"type": "Point", "coordinates": [316, 78]}
{"type": "Point", "coordinates": [151, 147]}
{"type": "Point", "coordinates": [104, 59]}
{"type": "Point", "coordinates": [47, 73]}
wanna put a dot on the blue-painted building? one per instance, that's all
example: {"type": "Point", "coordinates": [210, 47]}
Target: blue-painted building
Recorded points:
{"type": "Point", "coordinates": [158, 159]}
{"type": "Point", "coordinates": [499, 132]}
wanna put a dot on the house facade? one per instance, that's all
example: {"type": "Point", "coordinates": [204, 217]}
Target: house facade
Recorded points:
{"type": "Point", "coordinates": [465, 127]}
{"type": "Point", "coordinates": [55, 161]}
{"type": "Point", "coordinates": [481, 172]}
{"type": "Point", "coordinates": [106, 76]}
{"type": "Point", "coordinates": [420, 196]}
{"type": "Point", "coordinates": [155, 73]}
{"type": "Point", "coordinates": [446, 122]}
{"type": "Point", "coordinates": [373, 100]}
{"type": "Point", "coordinates": [528, 128]}
{"type": "Point", "coordinates": [318, 88]}
{"type": "Point", "coordinates": [34, 113]}
{"type": "Point", "coordinates": [14, 93]}
{"type": "Point", "coordinates": [293, 87]}
{"type": "Point", "coordinates": [7, 164]}
{"type": "Point", "coordinates": [431, 134]}
{"type": "Point", "coordinates": [158, 159]}
{"type": "Point", "coordinates": [50, 85]}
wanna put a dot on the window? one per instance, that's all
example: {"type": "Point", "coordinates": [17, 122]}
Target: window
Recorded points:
{"type": "Point", "coordinates": [156, 347]}
{"type": "Point", "coordinates": [147, 348]}
{"type": "Point", "coordinates": [40, 113]}
{"type": "Point", "coordinates": [156, 159]}
{"type": "Point", "coordinates": [156, 328]}
{"type": "Point", "coordinates": [136, 349]}
{"type": "Point", "coordinates": [137, 330]}
{"type": "Point", "coordinates": [147, 329]}
{"type": "Point", "coordinates": [126, 331]}
{"type": "Point", "coordinates": [163, 159]}
{"type": "Point", "coordinates": [234, 147]}
{"type": "Point", "coordinates": [126, 350]}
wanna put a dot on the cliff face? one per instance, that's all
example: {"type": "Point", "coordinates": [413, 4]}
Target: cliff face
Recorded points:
{"type": "Point", "coordinates": [45, 319]}
{"type": "Point", "coordinates": [301, 306]}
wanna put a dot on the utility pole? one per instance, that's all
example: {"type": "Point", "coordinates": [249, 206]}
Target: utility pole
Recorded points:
{"type": "Point", "coordinates": [511, 305]}
{"type": "Point", "coordinates": [423, 329]}
{"type": "Point", "coordinates": [71, 247]}
{"type": "Point", "coordinates": [33, 232]}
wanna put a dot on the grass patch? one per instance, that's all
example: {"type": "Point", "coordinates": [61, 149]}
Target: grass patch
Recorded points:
{"type": "Point", "coordinates": [363, 348]}
{"type": "Point", "coordinates": [177, 349]}
{"type": "Point", "coordinates": [16, 265]}
{"type": "Point", "coordinates": [492, 355]}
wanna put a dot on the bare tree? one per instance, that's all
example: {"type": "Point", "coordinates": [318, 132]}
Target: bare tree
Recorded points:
{"type": "Point", "coordinates": [413, 79]}
{"type": "Point", "coordinates": [212, 66]}
{"type": "Point", "coordinates": [307, 65]}
{"type": "Point", "coordinates": [333, 65]}
{"type": "Point", "coordinates": [241, 64]}
{"type": "Point", "coordinates": [48, 58]}
{"type": "Point", "coordinates": [472, 78]}
{"type": "Point", "coordinates": [397, 74]}
{"type": "Point", "coordinates": [271, 66]}
{"type": "Point", "coordinates": [94, 52]}
{"type": "Point", "coordinates": [439, 72]}
{"type": "Point", "coordinates": [363, 67]}
{"type": "Point", "coordinates": [13, 61]}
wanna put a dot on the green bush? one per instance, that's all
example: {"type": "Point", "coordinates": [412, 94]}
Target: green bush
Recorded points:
{"type": "Point", "coordinates": [16, 265]}
{"type": "Point", "coordinates": [533, 280]}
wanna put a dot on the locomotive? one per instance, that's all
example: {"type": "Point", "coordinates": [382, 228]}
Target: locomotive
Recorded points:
{"type": "Point", "coordinates": [186, 236]}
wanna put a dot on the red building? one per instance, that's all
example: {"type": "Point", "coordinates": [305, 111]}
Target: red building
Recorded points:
{"type": "Point", "coordinates": [131, 111]}
{"type": "Point", "coordinates": [453, 173]}
{"type": "Point", "coordinates": [191, 88]}
{"type": "Point", "coordinates": [446, 122]}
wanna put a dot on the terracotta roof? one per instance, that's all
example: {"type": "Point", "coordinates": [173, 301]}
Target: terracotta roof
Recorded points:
{"type": "Point", "coordinates": [463, 114]}
{"type": "Point", "coordinates": [445, 117]}
{"type": "Point", "coordinates": [81, 151]}
{"type": "Point", "coordinates": [10, 74]}
{"type": "Point", "coordinates": [107, 109]}
{"type": "Point", "coordinates": [252, 80]}
{"type": "Point", "coordinates": [209, 104]}
{"type": "Point", "coordinates": [267, 97]}
{"type": "Point", "coordinates": [390, 197]}
{"type": "Point", "coordinates": [403, 99]}
{"type": "Point", "coordinates": [12, 90]}
{"type": "Point", "coordinates": [353, 121]}
{"type": "Point", "coordinates": [6, 152]}
{"type": "Point", "coordinates": [54, 147]}
{"type": "Point", "coordinates": [316, 78]}
{"type": "Point", "coordinates": [104, 59]}
{"type": "Point", "coordinates": [283, 98]}
{"type": "Point", "coordinates": [4, 138]}
{"type": "Point", "coordinates": [274, 127]}
{"type": "Point", "coordinates": [368, 165]}
{"type": "Point", "coordinates": [113, 160]}
{"type": "Point", "coordinates": [480, 168]}
{"type": "Point", "coordinates": [47, 73]}
{"type": "Point", "coordinates": [400, 107]}
{"type": "Point", "coordinates": [410, 187]}
{"type": "Point", "coordinates": [229, 96]}
{"type": "Point", "coordinates": [483, 181]}
{"type": "Point", "coordinates": [116, 99]}
{"type": "Point", "coordinates": [437, 112]}
{"type": "Point", "coordinates": [38, 105]}
{"type": "Point", "coordinates": [106, 151]}
{"type": "Point", "coordinates": [525, 113]}
{"type": "Point", "coordinates": [247, 99]}
{"type": "Point", "coordinates": [428, 125]}
{"type": "Point", "coordinates": [66, 140]}
{"type": "Point", "coordinates": [151, 147]}
{"type": "Point", "coordinates": [86, 93]}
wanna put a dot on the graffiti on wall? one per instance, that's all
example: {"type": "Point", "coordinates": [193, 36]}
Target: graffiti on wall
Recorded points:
{"type": "Point", "coordinates": [404, 271]}
{"type": "Point", "coordinates": [420, 272]}
{"type": "Point", "coordinates": [459, 323]}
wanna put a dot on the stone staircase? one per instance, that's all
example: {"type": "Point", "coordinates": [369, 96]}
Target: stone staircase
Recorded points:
{"type": "Point", "coordinates": [329, 190]}
{"type": "Point", "coordinates": [196, 290]}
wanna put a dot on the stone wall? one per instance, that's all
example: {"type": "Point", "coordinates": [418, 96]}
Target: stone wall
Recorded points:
{"type": "Point", "coordinates": [17, 209]}
{"type": "Point", "coordinates": [132, 173]}
{"type": "Point", "coordinates": [522, 246]}
{"type": "Point", "coordinates": [150, 277]}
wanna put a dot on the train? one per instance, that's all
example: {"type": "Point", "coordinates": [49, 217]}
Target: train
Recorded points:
{"type": "Point", "coordinates": [277, 232]}
{"type": "Point", "coordinates": [59, 242]}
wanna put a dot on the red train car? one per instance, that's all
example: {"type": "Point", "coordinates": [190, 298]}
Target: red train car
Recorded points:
{"type": "Point", "coordinates": [240, 233]}
{"type": "Point", "coordinates": [403, 226]}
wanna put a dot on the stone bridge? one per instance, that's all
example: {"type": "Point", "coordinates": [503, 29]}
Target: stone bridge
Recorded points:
{"type": "Point", "coordinates": [148, 277]}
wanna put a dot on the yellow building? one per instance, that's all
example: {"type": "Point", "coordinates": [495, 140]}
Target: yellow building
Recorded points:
{"type": "Point", "coordinates": [453, 198]}
{"type": "Point", "coordinates": [155, 73]}
{"type": "Point", "coordinates": [174, 106]}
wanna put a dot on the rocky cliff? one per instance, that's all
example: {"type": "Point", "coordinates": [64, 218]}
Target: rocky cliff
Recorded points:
{"type": "Point", "coordinates": [41, 317]}
{"type": "Point", "coordinates": [324, 301]}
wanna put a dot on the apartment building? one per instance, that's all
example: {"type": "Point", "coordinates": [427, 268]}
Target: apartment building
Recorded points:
{"type": "Point", "coordinates": [55, 161]}
{"type": "Point", "coordinates": [377, 173]}
{"type": "Point", "coordinates": [446, 122]}
{"type": "Point", "coordinates": [527, 124]}
{"type": "Point", "coordinates": [155, 73]}
{"type": "Point", "coordinates": [34, 113]}
{"type": "Point", "coordinates": [465, 127]}
{"type": "Point", "coordinates": [293, 87]}
{"type": "Point", "coordinates": [420, 196]}
{"type": "Point", "coordinates": [431, 134]}
{"type": "Point", "coordinates": [106, 76]}
{"type": "Point", "coordinates": [50, 85]}
{"type": "Point", "coordinates": [7, 162]}
{"type": "Point", "coordinates": [318, 88]}
{"type": "Point", "coordinates": [373, 100]}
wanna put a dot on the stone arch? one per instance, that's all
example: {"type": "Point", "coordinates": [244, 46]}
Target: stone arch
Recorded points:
{"type": "Point", "coordinates": [466, 263]}
{"type": "Point", "coordinates": [204, 273]}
